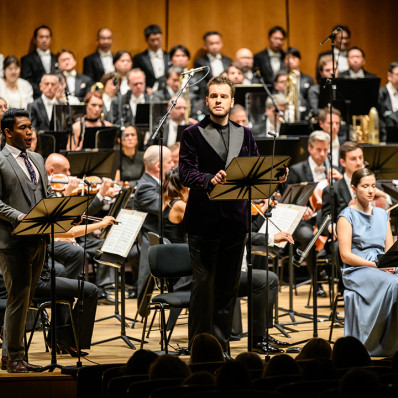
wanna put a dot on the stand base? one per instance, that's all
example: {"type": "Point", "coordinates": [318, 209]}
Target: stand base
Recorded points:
{"type": "Point", "coordinates": [127, 339]}
{"type": "Point", "coordinates": [50, 368]}
{"type": "Point", "coordinates": [119, 318]}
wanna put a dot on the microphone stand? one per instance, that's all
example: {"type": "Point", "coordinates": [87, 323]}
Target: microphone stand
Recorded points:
{"type": "Point", "coordinates": [70, 125]}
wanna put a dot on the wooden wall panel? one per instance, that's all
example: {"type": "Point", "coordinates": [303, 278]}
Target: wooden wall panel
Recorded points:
{"type": "Point", "coordinates": [243, 23]}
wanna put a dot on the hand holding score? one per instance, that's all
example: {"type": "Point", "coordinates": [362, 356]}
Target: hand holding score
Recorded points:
{"type": "Point", "coordinates": [219, 178]}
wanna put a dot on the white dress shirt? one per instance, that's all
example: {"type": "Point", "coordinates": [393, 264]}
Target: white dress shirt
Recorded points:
{"type": "Point", "coordinates": [216, 64]}
{"type": "Point", "coordinates": [336, 151]}
{"type": "Point", "coordinates": [393, 92]}
{"type": "Point", "coordinates": [348, 182]}
{"type": "Point", "coordinates": [124, 87]}
{"type": "Point", "coordinates": [15, 152]}
{"type": "Point", "coordinates": [107, 61]}
{"type": "Point", "coordinates": [157, 62]}
{"type": "Point", "coordinates": [275, 59]}
{"type": "Point", "coordinates": [248, 77]}
{"type": "Point", "coordinates": [107, 101]}
{"type": "Point", "coordinates": [45, 57]}
{"type": "Point", "coordinates": [134, 101]}
{"type": "Point", "coordinates": [269, 127]}
{"type": "Point", "coordinates": [71, 81]}
{"type": "Point", "coordinates": [48, 104]}
{"type": "Point", "coordinates": [357, 75]}
{"type": "Point", "coordinates": [318, 172]}
{"type": "Point", "coordinates": [341, 59]}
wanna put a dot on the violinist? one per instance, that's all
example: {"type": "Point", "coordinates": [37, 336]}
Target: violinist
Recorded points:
{"type": "Point", "coordinates": [315, 169]}
{"type": "Point", "coordinates": [94, 107]}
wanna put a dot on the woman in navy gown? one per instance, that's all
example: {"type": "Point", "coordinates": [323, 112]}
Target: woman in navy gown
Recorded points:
{"type": "Point", "coordinates": [371, 293]}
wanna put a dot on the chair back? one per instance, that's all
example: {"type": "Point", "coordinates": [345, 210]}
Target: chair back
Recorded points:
{"type": "Point", "coordinates": [170, 261]}
{"type": "Point", "coordinates": [154, 239]}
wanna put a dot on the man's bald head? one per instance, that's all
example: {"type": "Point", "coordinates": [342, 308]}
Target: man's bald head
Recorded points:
{"type": "Point", "coordinates": [57, 164]}
{"type": "Point", "coordinates": [152, 163]}
{"type": "Point", "coordinates": [244, 58]}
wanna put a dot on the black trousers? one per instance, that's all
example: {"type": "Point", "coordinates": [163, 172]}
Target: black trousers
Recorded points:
{"type": "Point", "coordinates": [216, 266]}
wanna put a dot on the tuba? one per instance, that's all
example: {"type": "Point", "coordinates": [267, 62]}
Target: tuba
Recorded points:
{"type": "Point", "coordinates": [292, 96]}
{"type": "Point", "coordinates": [365, 128]}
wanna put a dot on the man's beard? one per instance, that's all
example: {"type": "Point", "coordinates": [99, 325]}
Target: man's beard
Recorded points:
{"type": "Point", "coordinates": [220, 116]}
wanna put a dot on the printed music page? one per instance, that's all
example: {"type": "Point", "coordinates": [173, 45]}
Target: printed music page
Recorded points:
{"type": "Point", "coordinates": [286, 217]}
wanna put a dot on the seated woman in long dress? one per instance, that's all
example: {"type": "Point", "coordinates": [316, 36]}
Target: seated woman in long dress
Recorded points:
{"type": "Point", "coordinates": [371, 293]}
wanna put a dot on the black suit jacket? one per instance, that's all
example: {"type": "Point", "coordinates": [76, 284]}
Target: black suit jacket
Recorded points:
{"type": "Point", "coordinates": [32, 70]}
{"type": "Point", "coordinates": [83, 85]}
{"type": "Point", "coordinates": [143, 61]}
{"type": "Point", "coordinates": [346, 74]}
{"type": "Point", "coordinates": [388, 118]}
{"type": "Point", "coordinates": [342, 197]}
{"type": "Point", "coordinates": [204, 61]}
{"type": "Point", "coordinates": [126, 108]}
{"type": "Point", "coordinates": [92, 66]}
{"type": "Point", "coordinates": [38, 116]}
{"type": "Point", "coordinates": [262, 61]}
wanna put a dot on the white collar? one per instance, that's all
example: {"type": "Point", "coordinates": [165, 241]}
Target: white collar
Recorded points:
{"type": "Point", "coordinates": [15, 152]}
{"type": "Point", "coordinates": [104, 54]}
{"type": "Point", "coordinates": [43, 53]}
{"type": "Point", "coordinates": [72, 73]}
{"type": "Point", "coordinates": [272, 53]}
{"type": "Point", "coordinates": [158, 53]}
{"type": "Point", "coordinates": [392, 89]}
{"type": "Point", "coordinates": [313, 165]}
{"type": "Point", "coordinates": [48, 101]}
{"type": "Point", "coordinates": [214, 57]}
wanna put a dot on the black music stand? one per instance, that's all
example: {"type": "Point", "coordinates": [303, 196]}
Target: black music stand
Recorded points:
{"type": "Point", "coordinates": [298, 194]}
{"type": "Point", "coordinates": [251, 178]}
{"type": "Point", "coordinates": [48, 217]}
{"type": "Point", "coordinates": [389, 258]}
{"type": "Point", "coordinates": [382, 159]}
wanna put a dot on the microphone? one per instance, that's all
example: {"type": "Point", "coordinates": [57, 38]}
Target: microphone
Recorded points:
{"type": "Point", "coordinates": [188, 72]}
{"type": "Point", "coordinates": [272, 134]}
{"type": "Point", "coordinates": [332, 35]}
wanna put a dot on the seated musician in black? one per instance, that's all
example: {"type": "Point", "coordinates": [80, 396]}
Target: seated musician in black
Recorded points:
{"type": "Point", "coordinates": [94, 107]}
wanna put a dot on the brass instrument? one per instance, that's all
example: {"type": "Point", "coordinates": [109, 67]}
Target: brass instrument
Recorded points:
{"type": "Point", "coordinates": [365, 128]}
{"type": "Point", "coordinates": [292, 96]}
{"type": "Point", "coordinates": [98, 86]}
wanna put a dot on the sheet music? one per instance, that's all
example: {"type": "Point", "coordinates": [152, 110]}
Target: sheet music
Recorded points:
{"type": "Point", "coordinates": [286, 217]}
{"type": "Point", "coordinates": [121, 237]}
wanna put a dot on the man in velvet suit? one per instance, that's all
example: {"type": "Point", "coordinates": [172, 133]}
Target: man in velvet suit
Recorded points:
{"type": "Point", "coordinates": [41, 109]}
{"type": "Point", "coordinates": [153, 61]}
{"type": "Point", "coordinates": [23, 183]}
{"type": "Point", "coordinates": [97, 64]}
{"type": "Point", "coordinates": [78, 84]}
{"type": "Point", "coordinates": [270, 60]}
{"type": "Point", "coordinates": [216, 229]}
{"type": "Point", "coordinates": [40, 61]}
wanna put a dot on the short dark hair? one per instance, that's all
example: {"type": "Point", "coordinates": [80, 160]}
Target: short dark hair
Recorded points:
{"type": "Point", "coordinates": [106, 77]}
{"type": "Point", "coordinates": [342, 27]}
{"type": "Point", "coordinates": [277, 29]}
{"type": "Point", "coordinates": [179, 47]}
{"type": "Point", "coordinates": [348, 146]}
{"type": "Point", "coordinates": [280, 73]}
{"type": "Point", "coordinates": [9, 60]}
{"type": "Point", "coordinates": [101, 29]}
{"type": "Point", "coordinates": [356, 48]}
{"type": "Point", "coordinates": [221, 80]}
{"type": "Point", "coordinates": [392, 66]}
{"type": "Point", "coordinates": [211, 33]}
{"type": "Point", "coordinates": [117, 56]}
{"type": "Point", "coordinates": [236, 66]}
{"type": "Point", "coordinates": [9, 116]}
{"type": "Point", "coordinates": [293, 51]}
{"type": "Point", "coordinates": [36, 31]}
{"type": "Point", "coordinates": [152, 30]}
{"type": "Point", "coordinates": [323, 113]}
{"type": "Point", "coordinates": [359, 174]}
{"type": "Point", "coordinates": [65, 50]}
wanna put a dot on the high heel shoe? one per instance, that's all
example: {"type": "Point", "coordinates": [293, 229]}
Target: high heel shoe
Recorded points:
{"type": "Point", "coordinates": [72, 351]}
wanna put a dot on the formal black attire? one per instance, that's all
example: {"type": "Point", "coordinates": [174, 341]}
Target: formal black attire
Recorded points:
{"type": "Point", "coordinates": [143, 62]}
{"type": "Point", "coordinates": [388, 118]}
{"type": "Point", "coordinates": [39, 117]}
{"type": "Point", "coordinates": [216, 229]}
{"type": "Point", "coordinates": [32, 70]}
{"type": "Point", "coordinates": [83, 85]}
{"type": "Point", "coordinates": [127, 112]}
{"type": "Point", "coordinates": [346, 74]}
{"type": "Point", "coordinates": [92, 66]}
{"type": "Point", "coordinates": [262, 61]}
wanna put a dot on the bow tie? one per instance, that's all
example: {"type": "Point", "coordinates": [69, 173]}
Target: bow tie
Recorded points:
{"type": "Point", "coordinates": [214, 57]}
{"type": "Point", "coordinates": [157, 54]}
{"type": "Point", "coordinates": [42, 53]}
{"type": "Point", "coordinates": [71, 73]}
{"type": "Point", "coordinates": [319, 169]}
{"type": "Point", "coordinates": [273, 53]}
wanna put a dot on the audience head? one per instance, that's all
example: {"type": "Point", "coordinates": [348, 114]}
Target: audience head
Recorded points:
{"type": "Point", "coordinates": [292, 58]}
{"type": "Point", "coordinates": [212, 42]}
{"type": "Point", "coordinates": [66, 60]}
{"type": "Point", "coordinates": [108, 81]}
{"type": "Point", "coordinates": [351, 157]}
{"type": "Point", "coordinates": [276, 38]}
{"type": "Point", "coordinates": [359, 383]}
{"type": "Point", "coordinates": [104, 39]}
{"type": "Point", "coordinates": [168, 367]}
{"type": "Point", "coordinates": [151, 161]}
{"type": "Point", "coordinates": [251, 361]}
{"type": "Point", "coordinates": [17, 128]}
{"type": "Point", "coordinates": [315, 348]}
{"type": "Point", "coordinates": [180, 56]}
{"type": "Point", "coordinates": [206, 348]}
{"type": "Point", "coordinates": [122, 62]}
{"type": "Point", "coordinates": [280, 365]}
{"type": "Point", "coordinates": [349, 351]}
{"type": "Point", "coordinates": [318, 146]}
{"type": "Point", "coordinates": [244, 59]}
{"type": "Point", "coordinates": [173, 78]}
{"type": "Point", "coordinates": [233, 375]}
{"type": "Point", "coordinates": [140, 362]}
{"type": "Point", "coordinates": [175, 152]}
{"type": "Point", "coordinates": [356, 59]}
{"type": "Point", "coordinates": [280, 82]}
{"type": "Point", "coordinates": [343, 38]}
{"type": "Point", "coordinates": [153, 37]}
{"type": "Point", "coordinates": [57, 164]}
{"type": "Point", "coordinates": [42, 37]}
{"type": "Point", "coordinates": [11, 68]}
{"type": "Point", "coordinates": [202, 378]}
{"type": "Point", "coordinates": [392, 74]}
{"type": "Point", "coordinates": [324, 121]}
{"type": "Point", "coordinates": [137, 82]}
{"type": "Point", "coordinates": [238, 115]}
{"type": "Point", "coordinates": [177, 115]}
{"type": "Point", "coordinates": [236, 74]}
{"type": "Point", "coordinates": [318, 369]}
{"type": "Point", "coordinates": [325, 67]}
{"type": "Point", "coordinates": [94, 105]}
{"type": "Point", "coordinates": [49, 85]}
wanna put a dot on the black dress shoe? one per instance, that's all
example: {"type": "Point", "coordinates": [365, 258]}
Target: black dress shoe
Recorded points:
{"type": "Point", "coordinates": [273, 340]}
{"type": "Point", "coordinates": [320, 292]}
{"type": "Point", "coordinates": [72, 351]}
{"type": "Point", "coordinates": [227, 357]}
{"type": "Point", "coordinates": [266, 348]}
